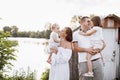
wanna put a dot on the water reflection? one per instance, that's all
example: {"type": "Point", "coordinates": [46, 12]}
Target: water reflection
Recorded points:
{"type": "Point", "coordinates": [31, 53]}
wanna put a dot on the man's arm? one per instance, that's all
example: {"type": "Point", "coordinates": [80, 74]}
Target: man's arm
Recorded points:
{"type": "Point", "coordinates": [80, 49]}
{"type": "Point", "coordinates": [99, 50]}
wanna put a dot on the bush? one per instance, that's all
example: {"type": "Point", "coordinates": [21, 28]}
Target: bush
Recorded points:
{"type": "Point", "coordinates": [45, 75]}
{"type": "Point", "coordinates": [7, 52]}
{"type": "Point", "coordinates": [21, 75]}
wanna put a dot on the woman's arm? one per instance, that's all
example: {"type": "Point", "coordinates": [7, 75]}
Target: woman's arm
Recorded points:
{"type": "Point", "coordinates": [54, 50]}
{"type": "Point", "coordinates": [56, 40]}
{"type": "Point", "coordinates": [61, 56]}
{"type": "Point", "coordinates": [88, 33]}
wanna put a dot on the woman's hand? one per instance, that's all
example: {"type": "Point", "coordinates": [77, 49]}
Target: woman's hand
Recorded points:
{"type": "Point", "coordinates": [54, 50]}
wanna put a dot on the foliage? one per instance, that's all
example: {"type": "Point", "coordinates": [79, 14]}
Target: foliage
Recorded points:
{"type": "Point", "coordinates": [7, 49]}
{"type": "Point", "coordinates": [14, 31]}
{"type": "Point", "coordinates": [7, 29]}
{"type": "Point", "coordinates": [21, 75]}
{"type": "Point", "coordinates": [32, 34]}
{"type": "Point", "coordinates": [45, 75]}
{"type": "Point", "coordinates": [47, 34]}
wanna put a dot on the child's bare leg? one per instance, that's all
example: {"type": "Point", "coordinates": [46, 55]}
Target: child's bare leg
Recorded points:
{"type": "Point", "coordinates": [49, 58]}
{"type": "Point", "coordinates": [89, 62]}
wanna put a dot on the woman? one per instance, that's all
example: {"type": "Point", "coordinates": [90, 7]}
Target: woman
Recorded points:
{"type": "Point", "coordinates": [62, 56]}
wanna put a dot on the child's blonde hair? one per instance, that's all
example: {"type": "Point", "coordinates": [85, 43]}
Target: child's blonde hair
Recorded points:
{"type": "Point", "coordinates": [54, 26]}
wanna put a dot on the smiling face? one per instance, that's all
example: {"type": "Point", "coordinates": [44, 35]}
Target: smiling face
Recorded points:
{"type": "Point", "coordinates": [55, 27]}
{"type": "Point", "coordinates": [66, 34]}
{"type": "Point", "coordinates": [63, 33]}
{"type": "Point", "coordinates": [85, 23]}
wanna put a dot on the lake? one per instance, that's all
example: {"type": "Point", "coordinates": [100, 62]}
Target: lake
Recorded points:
{"type": "Point", "coordinates": [31, 53]}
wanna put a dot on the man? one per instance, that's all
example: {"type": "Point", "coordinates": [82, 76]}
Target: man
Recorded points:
{"type": "Point", "coordinates": [82, 45]}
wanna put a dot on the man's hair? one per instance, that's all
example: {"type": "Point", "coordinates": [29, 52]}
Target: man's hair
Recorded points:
{"type": "Point", "coordinates": [83, 18]}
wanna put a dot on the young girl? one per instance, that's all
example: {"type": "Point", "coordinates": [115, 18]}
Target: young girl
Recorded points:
{"type": "Point", "coordinates": [54, 39]}
{"type": "Point", "coordinates": [96, 40]}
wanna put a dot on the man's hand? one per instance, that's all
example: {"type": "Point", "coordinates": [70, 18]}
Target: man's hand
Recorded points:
{"type": "Point", "coordinates": [90, 50]}
{"type": "Point", "coordinates": [93, 51]}
{"type": "Point", "coordinates": [97, 50]}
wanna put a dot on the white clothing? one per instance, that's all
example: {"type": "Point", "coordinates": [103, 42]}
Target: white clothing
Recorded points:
{"type": "Point", "coordinates": [61, 65]}
{"type": "Point", "coordinates": [97, 37]}
{"type": "Point", "coordinates": [51, 41]}
{"type": "Point", "coordinates": [52, 69]}
{"type": "Point", "coordinates": [83, 42]}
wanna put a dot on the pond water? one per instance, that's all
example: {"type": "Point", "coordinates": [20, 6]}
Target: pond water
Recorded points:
{"type": "Point", "coordinates": [31, 53]}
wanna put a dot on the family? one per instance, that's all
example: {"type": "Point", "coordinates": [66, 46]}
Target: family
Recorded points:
{"type": "Point", "coordinates": [88, 42]}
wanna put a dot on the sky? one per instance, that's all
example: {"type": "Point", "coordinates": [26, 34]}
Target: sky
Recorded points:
{"type": "Point", "coordinates": [32, 15]}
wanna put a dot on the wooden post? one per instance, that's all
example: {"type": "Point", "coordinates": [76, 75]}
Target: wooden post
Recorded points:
{"type": "Point", "coordinates": [73, 63]}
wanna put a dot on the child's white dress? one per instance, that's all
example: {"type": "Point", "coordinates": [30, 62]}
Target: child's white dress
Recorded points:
{"type": "Point", "coordinates": [61, 65]}
{"type": "Point", "coordinates": [97, 37]}
{"type": "Point", "coordinates": [51, 41]}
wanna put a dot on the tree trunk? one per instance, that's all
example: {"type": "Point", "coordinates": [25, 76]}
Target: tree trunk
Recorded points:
{"type": "Point", "coordinates": [74, 73]}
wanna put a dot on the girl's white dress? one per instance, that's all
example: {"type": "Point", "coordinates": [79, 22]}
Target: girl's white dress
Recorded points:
{"type": "Point", "coordinates": [52, 43]}
{"type": "Point", "coordinates": [97, 37]}
{"type": "Point", "coordinates": [60, 65]}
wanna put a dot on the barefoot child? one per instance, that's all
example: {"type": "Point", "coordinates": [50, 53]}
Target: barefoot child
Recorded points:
{"type": "Point", "coordinates": [54, 40]}
{"type": "Point", "coordinates": [96, 40]}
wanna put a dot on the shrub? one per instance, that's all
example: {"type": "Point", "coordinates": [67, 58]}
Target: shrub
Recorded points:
{"type": "Point", "coordinates": [21, 75]}
{"type": "Point", "coordinates": [45, 75]}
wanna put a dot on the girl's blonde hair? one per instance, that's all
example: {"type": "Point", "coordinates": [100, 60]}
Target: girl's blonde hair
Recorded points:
{"type": "Point", "coordinates": [54, 26]}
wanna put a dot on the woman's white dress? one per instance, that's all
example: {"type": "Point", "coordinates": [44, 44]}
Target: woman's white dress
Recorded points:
{"type": "Point", "coordinates": [60, 64]}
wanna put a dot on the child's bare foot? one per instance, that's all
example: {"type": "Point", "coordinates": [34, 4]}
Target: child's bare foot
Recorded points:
{"type": "Point", "coordinates": [49, 61]}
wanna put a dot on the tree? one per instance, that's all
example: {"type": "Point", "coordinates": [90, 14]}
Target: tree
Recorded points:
{"type": "Point", "coordinates": [48, 26]}
{"type": "Point", "coordinates": [6, 51]}
{"type": "Point", "coordinates": [7, 28]}
{"type": "Point", "coordinates": [14, 31]}
{"type": "Point", "coordinates": [92, 15]}
{"type": "Point", "coordinates": [47, 33]}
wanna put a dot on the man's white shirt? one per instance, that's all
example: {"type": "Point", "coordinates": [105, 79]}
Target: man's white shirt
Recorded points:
{"type": "Point", "coordinates": [84, 42]}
